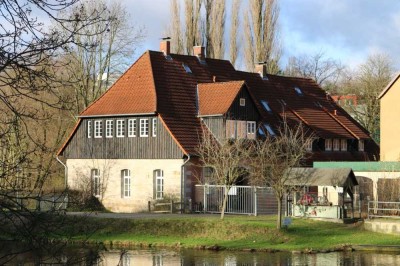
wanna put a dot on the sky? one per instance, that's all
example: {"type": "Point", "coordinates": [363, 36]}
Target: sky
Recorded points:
{"type": "Point", "coordinates": [345, 30]}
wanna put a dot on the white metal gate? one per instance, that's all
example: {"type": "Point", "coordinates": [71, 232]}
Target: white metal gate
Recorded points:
{"type": "Point", "coordinates": [241, 200]}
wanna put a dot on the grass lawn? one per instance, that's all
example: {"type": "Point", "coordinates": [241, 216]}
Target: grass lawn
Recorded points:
{"type": "Point", "coordinates": [235, 232]}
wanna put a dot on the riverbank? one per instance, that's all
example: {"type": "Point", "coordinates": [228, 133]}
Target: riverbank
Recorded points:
{"type": "Point", "coordinates": [234, 233]}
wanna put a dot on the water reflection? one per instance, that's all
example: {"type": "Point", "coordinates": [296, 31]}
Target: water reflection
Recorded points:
{"type": "Point", "coordinates": [19, 255]}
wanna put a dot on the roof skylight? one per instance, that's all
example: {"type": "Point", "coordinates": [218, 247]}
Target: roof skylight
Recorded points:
{"type": "Point", "coordinates": [261, 132]}
{"type": "Point", "coordinates": [187, 68]}
{"type": "Point", "coordinates": [269, 129]}
{"type": "Point", "coordinates": [298, 91]}
{"type": "Point", "coordinates": [266, 106]}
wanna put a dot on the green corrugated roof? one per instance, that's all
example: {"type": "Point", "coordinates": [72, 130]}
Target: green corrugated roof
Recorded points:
{"type": "Point", "coordinates": [361, 166]}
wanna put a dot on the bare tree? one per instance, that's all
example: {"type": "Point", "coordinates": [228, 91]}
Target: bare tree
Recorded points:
{"type": "Point", "coordinates": [233, 46]}
{"type": "Point", "coordinates": [367, 82]}
{"type": "Point", "coordinates": [175, 30]}
{"type": "Point", "coordinates": [325, 71]}
{"type": "Point", "coordinates": [192, 22]}
{"type": "Point", "coordinates": [262, 42]}
{"type": "Point", "coordinates": [274, 158]}
{"type": "Point", "coordinates": [91, 71]}
{"type": "Point", "coordinates": [227, 160]}
{"type": "Point", "coordinates": [30, 102]}
{"type": "Point", "coordinates": [214, 29]}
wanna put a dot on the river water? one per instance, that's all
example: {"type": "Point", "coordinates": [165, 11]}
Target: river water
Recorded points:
{"type": "Point", "coordinates": [157, 257]}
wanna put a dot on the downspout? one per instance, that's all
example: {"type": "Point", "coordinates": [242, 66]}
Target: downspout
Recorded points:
{"type": "Point", "coordinates": [65, 171]}
{"type": "Point", "coordinates": [183, 180]}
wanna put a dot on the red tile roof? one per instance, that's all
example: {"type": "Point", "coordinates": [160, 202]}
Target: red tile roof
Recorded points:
{"type": "Point", "coordinates": [134, 92]}
{"type": "Point", "coordinates": [156, 84]}
{"type": "Point", "coordinates": [216, 98]}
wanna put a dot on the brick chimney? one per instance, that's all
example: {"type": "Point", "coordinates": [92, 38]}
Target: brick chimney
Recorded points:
{"type": "Point", "coordinates": [261, 69]}
{"type": "Point", "coordinates": [199, 52]}
{"type": "Point", "coordinates": [165, 47]}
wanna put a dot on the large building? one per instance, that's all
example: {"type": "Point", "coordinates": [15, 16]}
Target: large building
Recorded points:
{"type": "Point", "coordinates": [138, 141]}
{"type": "Point", "coordinates": [390, 128]}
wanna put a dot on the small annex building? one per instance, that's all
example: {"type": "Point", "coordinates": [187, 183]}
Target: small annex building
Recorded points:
{"type": "Point", "coordinates": [137, 142]}
{"type": "Point", "coordinates": [323, 192]}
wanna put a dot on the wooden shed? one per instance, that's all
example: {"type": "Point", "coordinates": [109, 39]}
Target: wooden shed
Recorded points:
{"type": "Point", "coordinates": [323, 192]}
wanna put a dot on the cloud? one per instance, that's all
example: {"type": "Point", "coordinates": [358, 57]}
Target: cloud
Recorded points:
{"type": "Point", "coordinates": [345, 28]}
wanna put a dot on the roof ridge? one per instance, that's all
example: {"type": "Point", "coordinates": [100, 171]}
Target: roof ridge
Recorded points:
{"type": "Point", "coordinates": [222, 82]}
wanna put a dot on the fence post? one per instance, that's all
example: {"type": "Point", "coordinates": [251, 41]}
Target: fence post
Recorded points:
{"type": "Point", "coordinates": [172, 206]}
{"type": "Point", "coordinates": [255, 201]}
{"type": "Point", "coordinates": [149, 205]}
{"type": "Point", "coordinates": [205, 198]}
{"type": "Point", "coordinates": [368, 207]}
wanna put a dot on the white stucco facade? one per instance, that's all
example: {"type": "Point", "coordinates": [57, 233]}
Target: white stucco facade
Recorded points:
{"type": "Point", "coordinates": [142, 181]}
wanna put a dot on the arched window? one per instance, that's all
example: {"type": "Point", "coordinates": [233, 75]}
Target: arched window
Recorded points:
{"type": "Point", "coordinates": [95, 182]}
{"type": "Point", "coordinates": [126, 183]}
{"type": "Point", "coordinates": [159, 184]}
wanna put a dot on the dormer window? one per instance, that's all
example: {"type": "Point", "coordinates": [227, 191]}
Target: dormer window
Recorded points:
{"type": "Point", "coordinates": [242, 102]}
{"type": "Point", "coordinates": [328, 144]}
{"type": "Point", "coordinates": [298, 91]}
{"type": "Point", "coordinates": [266, 106]}
{"type": "Point", "coordinates": [269, 129]}
{"type": "Point", "coordinates": [187, 68]}
{"type": "Point", "coordinates": [343, 144]}
{"type": "Point", "coordinates": [336, 144]}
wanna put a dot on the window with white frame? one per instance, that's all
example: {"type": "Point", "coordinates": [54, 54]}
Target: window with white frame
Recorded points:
{"type": "Point", "coordinates": [132, 128]}
{"type": "Point", "coordinates": [159, 184]}
{"type": "Point", "coordinates": [361, 145]}
{"type": "Point", "coordinates": [336, 144]}
{"type": "Point", "coordinates": [343, 144]}
{"type": "Point", "coordinates": [328, 144]}
{"type": "Point", "coordinates": [98, 128]}
{"type": "Point", "coordinates": [120, 128]}
{"type": "Point", "coordinates": [242, 102]}
{"type": "Point", "coordinates": [126, 183]}
{"type": "Point", "coordinates": [154, 131]}
{"type": "Point", "coordinates": [89, 129]}
{"type": "Point", "coordinates": [251, 127]}
{"type": "Point", "coordinates": [144, 127]}
{"type": "Point", "coordinates": [109, 128]}
{"type": "Point", "coordinates": [95, 178]}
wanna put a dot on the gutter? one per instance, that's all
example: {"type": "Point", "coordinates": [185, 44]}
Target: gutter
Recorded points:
{"type": "Point", "coordinates": [117, 115]}
{"type": "Point", "coordinates": [65, 171]}
{"type": "Point", "coordinates": [183, 181]}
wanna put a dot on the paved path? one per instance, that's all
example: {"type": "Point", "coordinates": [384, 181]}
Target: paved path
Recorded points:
{"type": "Point", "coordinates": [140, 215]}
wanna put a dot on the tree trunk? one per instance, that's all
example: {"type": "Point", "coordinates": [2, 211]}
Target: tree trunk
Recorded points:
{"type": "Point", "coordinates": [279, 219]}
{"type": "Point", "coordinates": [224, 202]}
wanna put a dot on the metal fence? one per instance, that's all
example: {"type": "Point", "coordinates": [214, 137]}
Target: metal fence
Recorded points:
{"type": "Point", "coordinates": [383, 209]}
{"type": "Point", "coordinates": [248, 200]}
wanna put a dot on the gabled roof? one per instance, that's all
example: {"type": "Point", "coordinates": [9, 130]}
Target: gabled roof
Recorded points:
{"type": "Point", "coordinates": [342, 177]}
{"type": "Point", "coordinates": [385, 90]}
{"type": "Point", "coordinates": [134, 92]}
{"type": "Point", "coordinates": [217, 98]}
{"type": "Point", "coordinates": [160, 85]}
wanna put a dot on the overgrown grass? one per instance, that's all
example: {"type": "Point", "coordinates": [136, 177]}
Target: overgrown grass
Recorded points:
{"type": "Point", "coordinates": [235, 232]}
